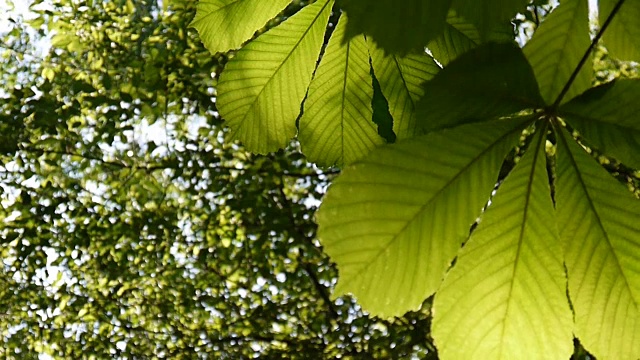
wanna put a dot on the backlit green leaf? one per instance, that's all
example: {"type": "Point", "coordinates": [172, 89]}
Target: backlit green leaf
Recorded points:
{"type": "Point", "coordinates": [601, 235]}
{"type": "Point", "coordinates": [491, 80]}
{"type": "Point", "coordinates": [337, 127]}
{"type": "Point", "coordinates": [608, 116]}
{"type": "Point", "coordinates": [262, 87]}
{"type": "Point", "coordinates": [622, 37]}
{"type": "Point", "coordinates": [226, 24]}
{"type": "Point", "coordinates": [505, 297]}
{"type": "Point", "coordinates": [397, 27]}
{"type": "Point", "coordinates": [394, 220]}
{"type": "Point", "coordinates": [556, 48]}
{"type": "Point", "coordinates": [401, 79]}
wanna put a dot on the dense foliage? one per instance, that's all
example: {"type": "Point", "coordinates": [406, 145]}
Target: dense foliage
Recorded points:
{"type": "Point", "coordinates": [498, 196]}
{"type": "Point", "coordinates": [132, 229]}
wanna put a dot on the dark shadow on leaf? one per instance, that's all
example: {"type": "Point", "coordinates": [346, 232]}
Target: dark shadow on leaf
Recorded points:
{"type": "Point", "coordinates": [397, 27]}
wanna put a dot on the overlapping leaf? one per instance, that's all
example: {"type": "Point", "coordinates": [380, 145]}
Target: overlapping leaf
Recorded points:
{"type": "Point", "coordinates": [488, 15]}
{"type": "Point", "coordinates": [458, 37]}
{"type": "Point", "coordinates": [556, 48]}
{"type": "Point", "coordinates": [262, 87]}
{"type": "Point", "coordinates": [491, 80]}
{"type": "Point", "coordinates": [397, 27]}
{"type": "Point", "coordinates": [622, 37]}
{"type": "Point", "coordinates": [225, 24]}
{"type": "Point", "coordinates": [401, 79]}
{"type": "Point", "coordinates": [394, 221]}
{"type": "Point", "coordinates": [505, 298]}
{"type": "Point", "coordinates": [608, 116]}
{"type": "Point", "coordinates": [600, 227]}
{"type": "Point", "coordinates": [336, 127]}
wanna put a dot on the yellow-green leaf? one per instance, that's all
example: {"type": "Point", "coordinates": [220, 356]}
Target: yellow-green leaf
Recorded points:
{"type": "Point", "coordinates": [262, 87]}
{"type": "Point", "coordinates": [505, 297]}
{"type": "Point", "coordinates": [394, 221]}
{"type": "Point", "coordinates": [226, 24]}
{"type": "Point", "coordinates": [601, 234]}
{"type": "Point", "coordinates": [336, 127]}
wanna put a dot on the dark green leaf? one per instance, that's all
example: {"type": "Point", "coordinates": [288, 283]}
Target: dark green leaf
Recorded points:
{"type": "Point", "coordinates": [488, 15]}
{"type": "Point", "coordinates": [490, 81]}
{"type": "Point", "coordinates": [397, 27]}
{"type": "Point", "coordinates": [608, 116]}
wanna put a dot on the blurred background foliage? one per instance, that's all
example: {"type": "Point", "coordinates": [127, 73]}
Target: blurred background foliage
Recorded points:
{"type": "Point", "coordinates": [131, 229]}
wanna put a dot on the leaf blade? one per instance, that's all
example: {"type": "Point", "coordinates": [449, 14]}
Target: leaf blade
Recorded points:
{"type": "Point", "coordinates": [401, 79]}
{"type": "Point", "coordinates": [556, 49]}
{"type": "Point", "coordinates": [608, 116]}
{"type": "Point", "coordinates": [374, 229]}
{"type": "Point", "coordinates": [491, 80]}
{"type": "Point", "coordinates": [238, 20]}
{"type": "Point", "coordinates": [489, 14]}
{"type": "Point", "coordinates": [505, 297]}
{"type": "Point", "coordinates": [262, 87]}
{"type": "Point", "coordinates": [458, 37]}
{"type": "Point", "coordinates": [336, 127]}
{"type": "Point", "coordinates": [621, 37]}
{"type": "Point", "coordinates": [397, 27]}
{"type": "Point", "coordinates": [600, 231]}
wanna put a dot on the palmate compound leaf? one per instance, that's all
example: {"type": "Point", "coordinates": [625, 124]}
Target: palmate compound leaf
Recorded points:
{"type": "Point", "coordinates": [505, 298]}
{"type": "Point", "coordinates": [600, 228]}
{"type": "Point", "coordinates": [226, 24]}
{"type": "Point", "coordinates": [556, 48]}
{"type": "Point", "coordinates": [608, 116]}
{"type": "Point", "coordinates": [622, 37]}
{"type": "Point", "coordinates": [401, 79]}
{"type": "Point", "coordinates": [491, 80]}
{"type": "Point", "coordinates": [399, 27]}
{"type": "Point", "coordinates": [262, 87]}
{"type": "Point", "coordinates": [394, 221]}
{"type": "Point", "coordinates": [336, 127]}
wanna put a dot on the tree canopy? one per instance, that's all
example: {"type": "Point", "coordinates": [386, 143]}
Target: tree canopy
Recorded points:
{"type": "Point", "coordinates": [475, 165]}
